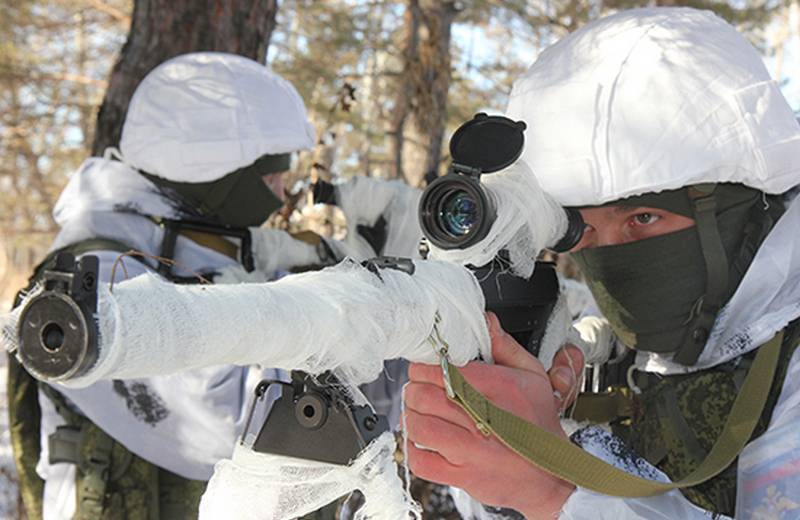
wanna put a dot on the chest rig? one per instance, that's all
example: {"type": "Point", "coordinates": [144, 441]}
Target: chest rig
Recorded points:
{"type": "Point", "coordinates": [673, 421]}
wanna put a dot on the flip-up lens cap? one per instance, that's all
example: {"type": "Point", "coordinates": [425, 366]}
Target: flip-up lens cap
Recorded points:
{"type": "Point", "coordinates": [488, 143]}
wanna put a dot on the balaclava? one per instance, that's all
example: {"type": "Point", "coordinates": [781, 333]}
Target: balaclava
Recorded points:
{"type": "Point", "coordinates": [239, 199]}
{"type": "Point", "coordinates": [662, 294]}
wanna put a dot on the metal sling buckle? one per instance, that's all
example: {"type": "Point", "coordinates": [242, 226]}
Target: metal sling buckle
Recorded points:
{"type": "Point", "coordinates": [441, 347]}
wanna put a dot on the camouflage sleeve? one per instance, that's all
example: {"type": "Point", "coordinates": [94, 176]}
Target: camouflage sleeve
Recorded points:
{"type": "Point", "coordinates": [769, 467]}
{"type": "Point", "coordinates": [587, 504]}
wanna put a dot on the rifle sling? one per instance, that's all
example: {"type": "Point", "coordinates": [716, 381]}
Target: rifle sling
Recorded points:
{"type": "Point", "coordinates": [569, 462]}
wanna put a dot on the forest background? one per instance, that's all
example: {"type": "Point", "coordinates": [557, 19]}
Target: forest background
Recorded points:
{"type": "Point", "coordinates": [386, 82]}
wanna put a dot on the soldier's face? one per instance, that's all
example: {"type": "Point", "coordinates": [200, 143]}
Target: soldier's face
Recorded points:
{"type": "Point", "coordinates": [614, 225]}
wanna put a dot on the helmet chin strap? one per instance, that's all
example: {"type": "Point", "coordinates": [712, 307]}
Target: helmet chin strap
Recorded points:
{"type": "Point", "coordinates": [704, 313]}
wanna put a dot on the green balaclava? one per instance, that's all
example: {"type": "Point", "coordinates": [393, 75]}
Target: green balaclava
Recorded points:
{"type": "Point", "coordinates": [239, 199]}
{"type": "Point", "coordinates": [662, 294]}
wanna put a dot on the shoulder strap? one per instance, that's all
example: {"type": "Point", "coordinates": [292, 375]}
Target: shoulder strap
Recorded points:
{"type": "Point", "coordinates": [569, 462]}
{"type": "Point", "coordinates": [82, 247]}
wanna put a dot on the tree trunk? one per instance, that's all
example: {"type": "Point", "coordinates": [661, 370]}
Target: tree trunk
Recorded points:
{"type": "Point", "coordinates": [162, 29]}
{"type": "Point", "coordinates": [420, 111]}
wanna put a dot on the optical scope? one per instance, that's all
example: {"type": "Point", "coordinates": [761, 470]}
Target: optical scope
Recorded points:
{"type": "Point", "coordinates": [456, 211]}
{"type": "Point", "coordinates": [522, 305]}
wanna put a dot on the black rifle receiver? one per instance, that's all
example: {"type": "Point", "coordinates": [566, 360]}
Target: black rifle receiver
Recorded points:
{"type": "Point", "coordinates": [522, 305]}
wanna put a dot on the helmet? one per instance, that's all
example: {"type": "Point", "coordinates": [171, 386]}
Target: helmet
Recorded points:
{"type": "Point", "coordinates": [654, 99]}
{"type": "Point", "coordinates": [206, 125]}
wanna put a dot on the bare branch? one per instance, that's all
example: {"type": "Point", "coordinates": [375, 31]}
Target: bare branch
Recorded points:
{"type": "Point", "coordinates": [113, 12]}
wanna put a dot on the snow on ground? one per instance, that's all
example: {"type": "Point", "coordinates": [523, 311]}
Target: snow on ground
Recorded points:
{"type": "Point", "coordinates": [8, 476]}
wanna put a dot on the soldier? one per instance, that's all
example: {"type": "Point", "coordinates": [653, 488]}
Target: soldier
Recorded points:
{"type": "Point", "coordinates": [663, 127]}
{"type": "Point", "coordinates": [205, 141]}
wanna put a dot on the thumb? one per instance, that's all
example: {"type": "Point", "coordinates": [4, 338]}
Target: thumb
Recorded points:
{"type": "Point", "coordinates": [506, 351]}
{"type": "Point", "coordinates": [566, 372]}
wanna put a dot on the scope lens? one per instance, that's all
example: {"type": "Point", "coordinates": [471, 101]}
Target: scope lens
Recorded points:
{"type": "Point", "coordinates": [459, 213]}
{"type": "Point", "coordinates": [455, 212]}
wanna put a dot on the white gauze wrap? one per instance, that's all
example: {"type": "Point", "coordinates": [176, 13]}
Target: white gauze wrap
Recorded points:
{"type": "Point", "coordinates": [528, 220]}
{"type": "Point", "coordinates": [343, 318]}
{"type": "Point", "coordinates": [260, 486]}
{"type": "Point", "coordinates": [364, 199]}
{"type": "Point", "coordinates": [276, 250]}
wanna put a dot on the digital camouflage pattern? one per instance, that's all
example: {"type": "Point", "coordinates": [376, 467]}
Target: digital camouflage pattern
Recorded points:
{"type": "Point", "coordinates": [135, 489]}
{"type": "Point", "coordinates": [680, 418]}
{"type": "Point", "coordinates": [24, 417]}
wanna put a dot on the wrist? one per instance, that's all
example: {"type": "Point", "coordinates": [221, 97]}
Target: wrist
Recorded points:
{"type": "Point", "coordinates": [550, 508]}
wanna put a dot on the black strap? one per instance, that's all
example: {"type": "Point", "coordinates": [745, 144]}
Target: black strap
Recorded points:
{"type": "Point", "coordinates": [716, 262]}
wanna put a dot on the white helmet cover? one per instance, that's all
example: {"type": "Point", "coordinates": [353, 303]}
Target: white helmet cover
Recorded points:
{"type": "Point", "coordinates": [197, 117]}
{"type": "Point", "coordinates": [654, 99]}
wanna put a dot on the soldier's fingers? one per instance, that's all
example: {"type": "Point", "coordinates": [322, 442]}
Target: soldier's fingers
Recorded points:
{"type": "Point", "coordinates": [453, 442]}
{"type": "Point", "coordinates": [431, 466]}
{"type": "Point", "coordinates": [422, 373]}
{"type": "Point", "coordinates": [506, 351]}
{"type": "Point", "coordinates": [565, 374]}
{"type": "Point", "coordinates": [431, 400]}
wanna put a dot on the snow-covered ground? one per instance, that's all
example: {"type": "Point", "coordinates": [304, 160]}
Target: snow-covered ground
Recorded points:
{"type": "Point", "coordinates": [8, 476]}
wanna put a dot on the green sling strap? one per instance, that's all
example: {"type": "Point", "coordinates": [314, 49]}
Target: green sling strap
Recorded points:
{"type": "Point", "coordinates": [569, 462]}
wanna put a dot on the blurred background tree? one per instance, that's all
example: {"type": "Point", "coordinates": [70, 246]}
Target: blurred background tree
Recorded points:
{"type": "Point", "coordinates": [385, 81]}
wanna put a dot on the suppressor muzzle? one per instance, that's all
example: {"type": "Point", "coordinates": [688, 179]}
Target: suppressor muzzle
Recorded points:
{"type": "Point", "coordinates": [57, 332]}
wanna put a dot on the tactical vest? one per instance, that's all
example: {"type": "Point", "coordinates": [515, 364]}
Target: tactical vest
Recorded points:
{"type": "Point", "coordinates": [675, 420]}
{"type": "Point", "coordinates": [111, 482]}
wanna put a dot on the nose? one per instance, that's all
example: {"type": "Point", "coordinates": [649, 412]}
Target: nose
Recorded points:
{"type": "Point", "coordinates": [588, 239]}
{"type": "Point", "coordinates": [607, 236]}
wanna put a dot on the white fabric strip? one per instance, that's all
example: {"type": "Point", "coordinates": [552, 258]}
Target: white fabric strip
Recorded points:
{"type": "Point", "coordinates": [258, 486]}
{"type": "Point", "coordinates": [345, 318]}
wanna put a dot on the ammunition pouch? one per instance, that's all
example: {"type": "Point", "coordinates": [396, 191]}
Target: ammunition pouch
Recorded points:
{"type": "Point", "coordinates": [111, 481]}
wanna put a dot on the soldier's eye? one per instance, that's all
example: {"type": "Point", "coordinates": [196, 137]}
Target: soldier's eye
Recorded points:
{"type": "Point", "coordinates": [644, 219]}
